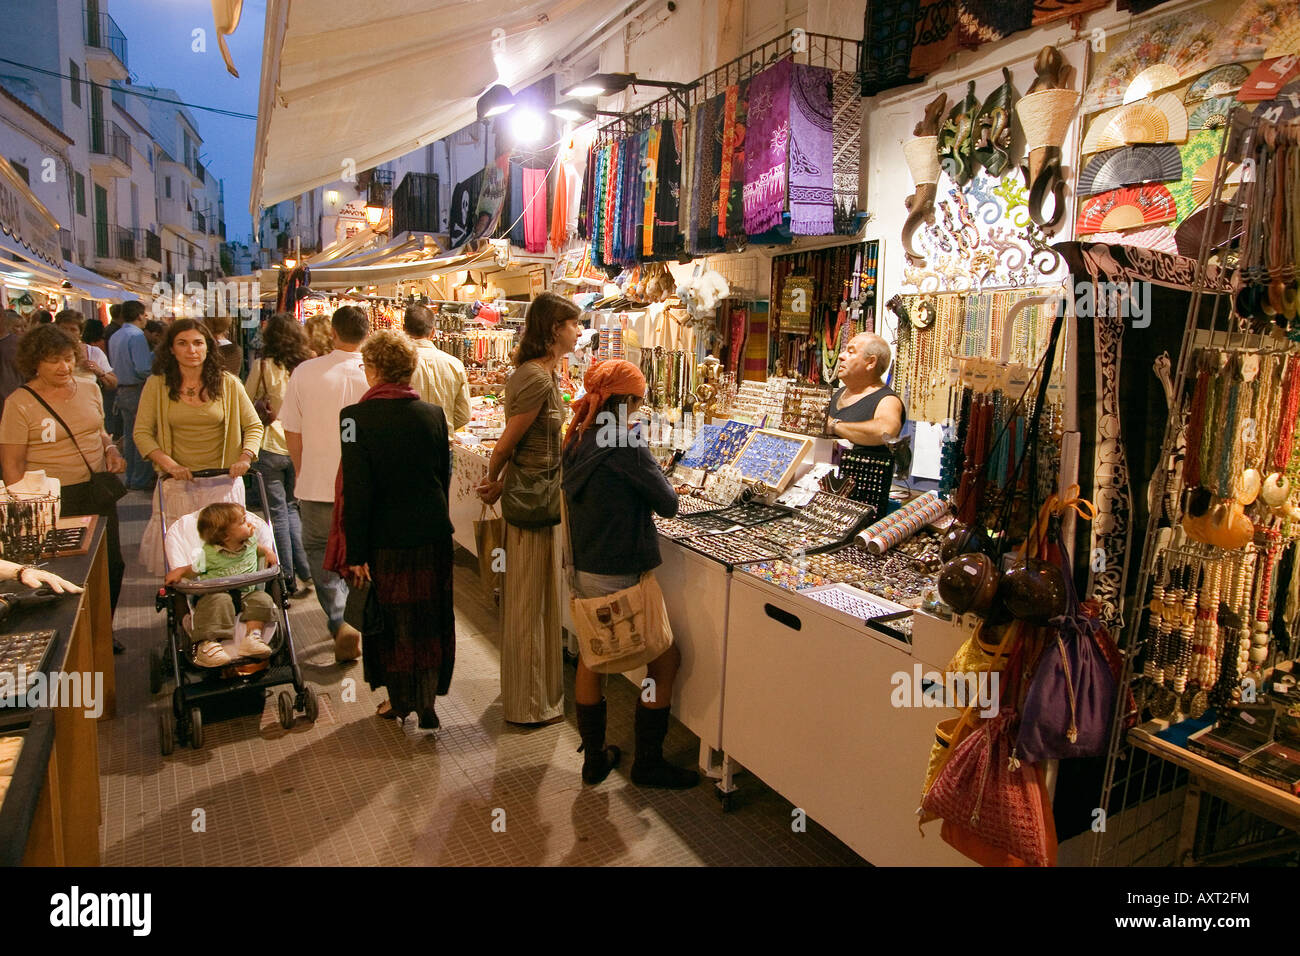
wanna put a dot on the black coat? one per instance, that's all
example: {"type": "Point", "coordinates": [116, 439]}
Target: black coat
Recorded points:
{"type": "Point", "coordinates": [396, 472]}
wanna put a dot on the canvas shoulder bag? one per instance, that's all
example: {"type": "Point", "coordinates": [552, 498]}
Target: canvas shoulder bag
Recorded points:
{"type": "Point", "coordinates": [262, 404]}
{"type": "Point", "coordinates": [621, 631]}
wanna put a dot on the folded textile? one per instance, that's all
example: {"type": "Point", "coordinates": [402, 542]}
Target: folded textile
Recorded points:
{"type": "Point", "coordinates": [535, 210]}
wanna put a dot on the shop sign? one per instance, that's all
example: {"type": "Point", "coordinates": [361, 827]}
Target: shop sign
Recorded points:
{"type": "Point", "coordinates": [26, 220]}
{"type": "Point", "coordinates": [536, 282]}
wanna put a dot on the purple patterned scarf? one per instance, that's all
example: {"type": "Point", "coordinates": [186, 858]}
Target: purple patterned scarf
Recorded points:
{"type": "Point", "coordinates": [812, 161]}
{"type": "Point", "coordinates": [768, 138]}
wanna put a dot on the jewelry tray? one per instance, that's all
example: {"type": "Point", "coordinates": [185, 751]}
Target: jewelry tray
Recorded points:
{"type": "Point", "coordinates": [29, 648]}
{"type": "Point", "coordinates": [876, 613]}
{"type": "Point", "coordinates": [772, 456]}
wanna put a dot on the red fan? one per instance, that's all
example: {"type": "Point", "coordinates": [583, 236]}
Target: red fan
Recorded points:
{"type": "Point", "coordinates": [1268, 79]}
{"type": "Point", "coordinates": [1128, 208]}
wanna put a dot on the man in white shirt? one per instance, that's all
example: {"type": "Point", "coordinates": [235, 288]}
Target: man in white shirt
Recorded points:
{"type": "Point", "coordinates": [439, 378]}
{"type": "Point", "coordinates": [318, 390]}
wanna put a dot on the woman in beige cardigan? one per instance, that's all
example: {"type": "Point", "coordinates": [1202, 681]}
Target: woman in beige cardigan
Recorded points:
{"type": "Point", "coordinates": [193, 417]}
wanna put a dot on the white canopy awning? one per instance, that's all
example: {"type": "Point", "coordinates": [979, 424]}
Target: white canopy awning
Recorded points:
{"type": "Point", "coordinates": [96, 286]}
{"type": "Point", "coordinates": [347, 85]}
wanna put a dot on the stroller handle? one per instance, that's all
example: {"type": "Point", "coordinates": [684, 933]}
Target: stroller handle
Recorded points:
{"type": "Point", "coordinates": [204, 473]}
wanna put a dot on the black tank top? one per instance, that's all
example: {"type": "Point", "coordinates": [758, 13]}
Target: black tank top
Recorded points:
{"type": "Point", "coordinates": [864, 410]}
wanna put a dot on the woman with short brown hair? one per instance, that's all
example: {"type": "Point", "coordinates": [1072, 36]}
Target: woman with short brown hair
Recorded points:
{"type": "Point", "coordinates": [396, 470]}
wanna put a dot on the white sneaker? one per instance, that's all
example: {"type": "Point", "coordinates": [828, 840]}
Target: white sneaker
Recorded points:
{"type": "Point", "coordinates": [210, 654]}
{"type": "Point", "coordinates": [252, 645]}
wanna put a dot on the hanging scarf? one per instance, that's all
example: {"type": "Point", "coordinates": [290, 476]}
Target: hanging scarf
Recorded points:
{"type": "Point", "coordinates": [651, 193]}
{"type": "Point", "coordinates": [812, 173]}
{"type": "Point", "coordinates": [693, 200]}
{"type": "Point", "coordinates": [667, 191]}
{"type": "Point", "coordinates": [769, 134]}
{"type": "Point", "coordinates": [535, 210]}
{"type": "Point", "coordinates": [728, 156]}
{"type": "Point", "coordinates": [734, 200]}
{"type": "Point", "coordinates": [336, 546]}
{"type": "Point", "coordinates": [517, 202]}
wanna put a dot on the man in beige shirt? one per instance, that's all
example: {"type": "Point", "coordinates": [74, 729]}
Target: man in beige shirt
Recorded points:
{"type": "Point", "coordinates": [439, 377]}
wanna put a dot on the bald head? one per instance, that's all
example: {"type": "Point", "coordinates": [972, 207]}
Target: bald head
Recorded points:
{"type": "Point", "coordinates": [864, 361]}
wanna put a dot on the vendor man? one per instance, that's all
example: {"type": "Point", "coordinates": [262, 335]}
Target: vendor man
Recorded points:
{"type": "Point", "coordinates": [865, 410]}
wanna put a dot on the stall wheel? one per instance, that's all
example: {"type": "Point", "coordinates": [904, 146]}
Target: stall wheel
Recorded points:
{"type": "Point", "coordinates": [310, 705]}
{"type": "Point", "coordinates": [285, 704]}
{"type": "Point", "coordinates": [166, 732]}
{"type": "Point", "coordinates": [196, 728]}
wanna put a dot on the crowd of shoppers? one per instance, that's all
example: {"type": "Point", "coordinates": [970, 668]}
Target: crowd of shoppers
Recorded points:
{"type": "Point", "coordinates": [350, 437]}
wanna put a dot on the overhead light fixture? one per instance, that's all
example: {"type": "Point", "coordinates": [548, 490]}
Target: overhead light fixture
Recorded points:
{"type": "Point", "coordinates": [469, 285]}
{"type": "Point", "coordinates": [607, 84]}
{"type": "Point", "coordinates": [526, 126]}
{"type": "Point", "coordinates": [497, 100]}
{"type": "Point", "coordinates": [290, 262]}
{"type": "Point", "coordinates": [579, 112]}
{"type": "Point", "coordinates": [373, 215]}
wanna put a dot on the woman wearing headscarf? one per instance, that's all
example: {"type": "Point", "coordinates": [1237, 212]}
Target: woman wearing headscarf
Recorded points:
{"type": "Point", "coordinates": [613, 487]}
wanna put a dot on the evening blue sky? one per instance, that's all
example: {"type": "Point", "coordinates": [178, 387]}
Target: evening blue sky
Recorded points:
{"type": "Point", "coordinates": [160, 34]}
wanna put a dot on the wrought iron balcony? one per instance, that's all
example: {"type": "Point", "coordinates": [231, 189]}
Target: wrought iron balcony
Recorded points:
{"type": "Point", "coordinates": [103, 33]}
{"type": "Point", "coordinates": [111, 142]}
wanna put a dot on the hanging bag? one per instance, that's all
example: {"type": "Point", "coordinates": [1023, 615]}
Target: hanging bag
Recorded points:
{"type": "Point", "coordinates": [489, 536]}
{"type": "Point", "coordinates": [995, 808]}
{"type": "Point", "coordinates": [1071, 696]}
{"type": "Point", "coordinates": [621, 631]}
{"type": "Point", "coordinates": [531, 496]}
{"type": "Point", "coordinates": [262, 404]}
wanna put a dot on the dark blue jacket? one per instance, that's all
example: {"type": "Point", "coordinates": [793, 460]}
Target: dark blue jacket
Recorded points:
{"type": "Point", "coordinates": [610, 493]}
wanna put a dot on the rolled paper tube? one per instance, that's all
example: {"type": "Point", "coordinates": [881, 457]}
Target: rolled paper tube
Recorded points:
{"type": "Point", "coordinates": [922, 159]}
{"type": "Point", "coordinates": [903, 523]}
{"type": "Point", "coordinates": [1045, 116]}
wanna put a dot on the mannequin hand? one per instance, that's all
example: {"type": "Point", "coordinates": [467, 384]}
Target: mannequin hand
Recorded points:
{"type": "Point", "coordinates": [38, 577]}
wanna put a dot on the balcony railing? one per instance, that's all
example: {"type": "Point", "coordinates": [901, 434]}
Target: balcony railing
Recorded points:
{"type": "Point", "coordinates": [415, 204]}
{"type": "Point", "coordinates": [200, 222]}
{"type": "Point", "coordinates": [124, 244]}
{"type": "Point", "coordinates": [65, 243]}
{"type": "Point", "coordinates": [101, 240]}
{"type": "Point", "coordinates": [109, 139]}
{"type": "Point", "coordinates": [198, 169]}
{"type": "Point", "coordinates": [151, 244]}
{"type": "Point", "coordinates": [103, 32]}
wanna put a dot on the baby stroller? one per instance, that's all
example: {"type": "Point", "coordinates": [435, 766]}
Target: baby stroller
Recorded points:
{"type": "Point", "coordinates": [183, 721]}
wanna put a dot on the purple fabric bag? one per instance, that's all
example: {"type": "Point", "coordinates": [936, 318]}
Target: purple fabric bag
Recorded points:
{"type": "Point", "coordinates": [1071, 696]}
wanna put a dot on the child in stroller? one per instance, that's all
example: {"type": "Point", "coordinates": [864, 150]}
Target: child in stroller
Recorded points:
{"type": "Point", "coordinates": [230, 548]}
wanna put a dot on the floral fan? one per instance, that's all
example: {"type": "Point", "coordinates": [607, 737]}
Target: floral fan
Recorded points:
{"type": "Point", "coordinates": [1178, 41]}
{"type": "Point", "coordinates": [1201, 148]}
{"type": "Point", "coordinates": [1254, 27]}
{"type": "Point", "coordinates": [1130, 166]}
{"type": "Point", "coordinates": [1130, 208]}
{"type": "Point", "coordinates": [1220, 81]}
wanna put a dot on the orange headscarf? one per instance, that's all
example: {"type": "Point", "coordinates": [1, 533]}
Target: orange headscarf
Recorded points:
{"type": "Point", "coordinates": [604, 379]}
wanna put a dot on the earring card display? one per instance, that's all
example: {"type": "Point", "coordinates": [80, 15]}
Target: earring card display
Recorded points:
{"type": "Point", "coordinates": [772, 457]}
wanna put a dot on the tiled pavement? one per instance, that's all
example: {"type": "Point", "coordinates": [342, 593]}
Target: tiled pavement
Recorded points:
{"type": "Point", "coordinates": [355, 790]}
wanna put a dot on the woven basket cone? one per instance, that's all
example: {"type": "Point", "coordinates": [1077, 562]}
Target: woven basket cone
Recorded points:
{"type": "Point", "coordinates": [1045, 116]}
{"type": "Point", "coordinates": [922, 159]}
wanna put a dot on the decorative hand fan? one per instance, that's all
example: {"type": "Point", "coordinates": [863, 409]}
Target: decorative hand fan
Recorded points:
{"type": "Point", "coordinates": [1211, 113]}
{"type": "Point", "coordinates": [1202, 147]}
{"type": "Point", "coordinates": [1221, 81]}
{"type": "Point", "coordinates": [1268, 79]}
{"type": "Point", "coordinates": [1151, 80]}
{"type": "Point", "coordinates": [1180, 40]}
{"type": "Point", "coordinates": [1160, 238]}
{"type": "Point", "coordinates": [1128, 208]}
{"type": "Point", "coordinates": [1189, 233]}
{"type": "Point", "coordinates": [1252, 29]}
{"type": "Point", "coordinates": [1286, 41]}
{"type": "Point", "coordinates": [1130, 166]}
{"type": "Point", "coordinates": [1161, 120]}
{"type": "Point", "coordinates": [1203, 180]}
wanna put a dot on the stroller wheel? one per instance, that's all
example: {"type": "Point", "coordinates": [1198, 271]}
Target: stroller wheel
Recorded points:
{"type": "Point", "coordinates": [155, 670]}
{"type": "Point", "coordinates": [166, 731]}
{"type": "Point", "coordinates": [310, 705]}
{"type": "Point", "coordinates": [285, 704]}
{"type": "Point", "coordinates": [196, 728]}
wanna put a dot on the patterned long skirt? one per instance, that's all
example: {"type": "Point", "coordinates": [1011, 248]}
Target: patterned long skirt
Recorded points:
{"type": "Point", "coordinates": [409, 645]}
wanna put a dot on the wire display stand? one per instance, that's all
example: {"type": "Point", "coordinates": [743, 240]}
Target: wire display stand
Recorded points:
{"type": "Point", "coordinates": [1143, 795]}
